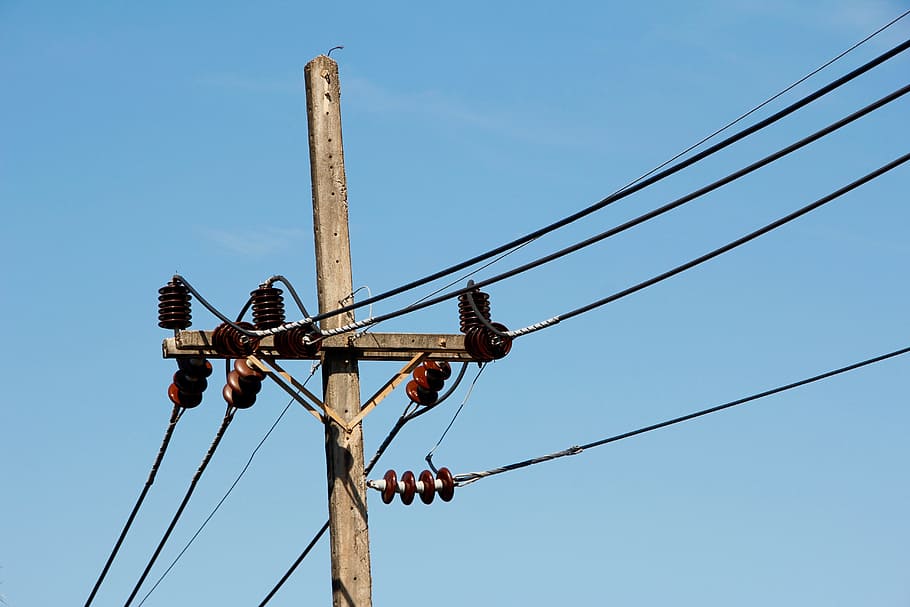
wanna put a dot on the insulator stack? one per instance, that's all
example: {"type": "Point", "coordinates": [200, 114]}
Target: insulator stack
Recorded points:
{"type": "Point", "coordinates": [409, 486]}
{"type": "Point", "coordinates": [298, 342]}
{"type": "Point", "coordinates": [268, 307]}
{"type": "Point", "coordinates": [466, 315]}
{"type": "Point", "coordinates": [174, 306]}
{"type": "Point", "coordinates": [429, 378]}
{"type": "Point", "coordinates": [228, 340]}
{"type": "Point", "coordinates": [243, 384]}
{"type": "Point", "coordinates": [189, 382]}
{"type": "Point", "coordinates": [481, 343]}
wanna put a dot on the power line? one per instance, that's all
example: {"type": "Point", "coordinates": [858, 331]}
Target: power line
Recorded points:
{"type": "Point", "coordinates": [176, 413]}
{"type": "Point", "coordinates": [406, 416]}
{"type": "Point", "coordinates": [613, 197]}
{"type": "Point", "coordinates": [230, 489]}
{"type": "Point", "coordinates": [635, 221]}
{"type": "Point", "coordinates": [466, 479]}
{"type": "Point", "coordinates": [228, 417]}
{"type": "Point", "coordinates": [721, 250]}
{"type": "Point", "coordinates": [627, 190]}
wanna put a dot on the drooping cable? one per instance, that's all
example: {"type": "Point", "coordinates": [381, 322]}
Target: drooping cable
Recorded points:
{"type": "Point", "coordinates": [777, 95]}
{"type": "Point", "coordinates": [718, 251]}
{"type": "Point", "coordinates": [466, 479]}
{"type": "Point", "coordinates": [412, 411]}
{"type": "Point", "coordinates": [406, 416]}
{"type": "Point", "coordinates": [228, 417]}
{"type": "Point", "coordinates": [176, 413]}
{"type": "Point", "coordinates": [620, 194]}
{"type": "Point", "coordinates": [831, 128]}
{"type": "Point", "coordinates": [429, 456]}
{"type": "Point", "coordinates": [228, 492]}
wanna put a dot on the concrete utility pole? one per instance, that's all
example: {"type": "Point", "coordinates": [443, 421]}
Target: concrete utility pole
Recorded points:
{"type": "Point", "coordinates": [348, 532]}
{"type": "Point", "coordinates": [340, 410]}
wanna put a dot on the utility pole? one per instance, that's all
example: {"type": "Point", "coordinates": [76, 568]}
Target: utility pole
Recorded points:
{"type": "Point", "coordinates": [348, 532]}
{"type": "Point", "coordinates": [341, 409]}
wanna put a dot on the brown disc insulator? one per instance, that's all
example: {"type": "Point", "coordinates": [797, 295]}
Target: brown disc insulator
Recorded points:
{"type": "Point", "coordinates": [410, 488]}
{"type": "Point", "coordinates": [293, 342]}
{"type": "Point", "coordinates": [448, 485]}
{"type": "Point", "coordinates": [189, 382]}
{"type": "Point", "coordinates": [243, 384]}
{"type": "Point", "coordinates": [391, 484]}
{"type": "Point", "coordinates": [228, 340]}
{"type": "Point", "coordinates": [484, 345]}
{"type": "Point", "coordinates": [466, 314]}
{"type": "Point", "coordinates": [428, 378]}
{"type": "Point", "coordinates": [420, 395]}
{"type": "Point", "coordinates": [174, 306]}
{"type": "Point", "coordinates": [440, 366]}
{"type": "Point", "coordinates": [429, 487]}
{"type": "Point", "coordinates": [268, 307]}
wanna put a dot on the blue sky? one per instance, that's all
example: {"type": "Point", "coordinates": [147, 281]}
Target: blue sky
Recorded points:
{"type": "Point", "coordinates": [140, 140]}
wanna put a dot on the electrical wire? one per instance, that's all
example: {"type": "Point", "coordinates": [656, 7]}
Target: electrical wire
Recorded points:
{"type": "Point", "coordinates": [618, 195]}
{"type": "Point", "coordinates": [782, 92]}
{"type": "Point", "coordinates": [466, 479]}
{"type": "Point", "coordinates": [720, 250]}
{"type": "Point", "coordinates": [429, 456]}
{"type": "Point", "coordinates": [637, 220]}
{"type": "Point", "coordinates": [228, 492]}
{"type": "Point", "coordinates": [406, 416]}
{"type": "Point", "coordinates": [606, 201]}
{"type": "Point", "coordinates": [228, 417]}
{"type": "Point", "coordinates": [176, 414]}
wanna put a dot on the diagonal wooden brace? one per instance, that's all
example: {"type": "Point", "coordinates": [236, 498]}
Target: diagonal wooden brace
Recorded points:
{"type": "Point", "coordinates": [387, 389]}
{"type": "Point", "coordinates": [298, 388]}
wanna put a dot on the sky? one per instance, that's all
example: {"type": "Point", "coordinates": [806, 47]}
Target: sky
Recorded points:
{"type": "Point", "coordinates": [144, 139]}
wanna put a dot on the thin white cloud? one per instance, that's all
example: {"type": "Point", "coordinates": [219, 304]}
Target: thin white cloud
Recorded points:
{"type": "Point", "coordinates": [522, 123]}
{"type": "Point", "coordinates": [256, 242]}
{"type": "Point", "coordinates": [251, 84]}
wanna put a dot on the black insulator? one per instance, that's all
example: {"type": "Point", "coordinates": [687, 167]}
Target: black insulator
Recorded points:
{"type": "Point", "coordinates": [299, 342]}
{"type": "Point", "coordinates": [228, 340]}
{"type": "Point", "coordinates": [174, 306]}
{"type": "Point", "coordinates": [268, 307]}
{"type": "Point", "coordinates": [466, 313]}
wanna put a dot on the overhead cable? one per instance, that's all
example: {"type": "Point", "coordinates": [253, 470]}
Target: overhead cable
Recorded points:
{"type": "Point", "coordinates": [228, 417]}
{"type": "Point", "coordinates": [609, 199]}
{"type": "Point", "coordinates": [411, 412]}
{"type": "Point", "coordinates": [637, 220]}
{"type": "Point", "coordinates": [176, 413]}
{"type": "Point", "coordinates": [228, 492]}
{"type": "Point", "coordinates": [718, 251]}
{"type": "Point", "coordinates": [632, 188]}
{"type": "Point", "coordinates": [466, 479]}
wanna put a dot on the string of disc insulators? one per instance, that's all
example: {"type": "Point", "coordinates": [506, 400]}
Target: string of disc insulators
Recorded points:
{"type": "Point", "coordinates": [410, 486]}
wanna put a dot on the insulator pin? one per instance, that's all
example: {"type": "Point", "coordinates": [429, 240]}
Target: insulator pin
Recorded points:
{"type": "Point", "coordinates": [174, 306]}
{"type": "Point", "coordinates": [425, 486]}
